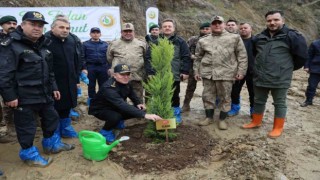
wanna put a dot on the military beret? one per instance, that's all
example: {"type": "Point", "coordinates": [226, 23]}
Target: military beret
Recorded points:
{"type": "Point", "coordinates": [5, 19]}
{"type": "Point", "coordinates": [153, 26]}
{"type": "Point", "coordinates": [203, 25]}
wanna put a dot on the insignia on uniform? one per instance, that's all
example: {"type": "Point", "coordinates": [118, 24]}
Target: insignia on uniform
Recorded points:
{"type": "Point", "coordinates": [128, 26]}
{"type": "Point", "coordinates": [37, 15]}
{"type": "Point", "coordinates": [113, 84]}
{"type": "Point", "coordinates": [125, 68]}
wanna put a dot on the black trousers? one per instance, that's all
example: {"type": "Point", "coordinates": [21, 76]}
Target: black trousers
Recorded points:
{"type": "Point", "coordinates": [25, 122]}
{"type": "Point", "coordinates": [236, 90]}
{"type": "Point", "coordinates": [111, 118]}
{"type": "Point", "coordinates": [63, 113]}
{"type": "Point", "coordinates": [313, 82]}
{"type": "Point", "coordinates": [175, 97]}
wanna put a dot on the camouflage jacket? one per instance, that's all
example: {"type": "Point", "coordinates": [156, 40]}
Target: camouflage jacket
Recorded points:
{"type": "Point", "coordinates": [220, 57]}
{"type": "Point", "coordinates": [131, 53]}
{"type": "Point", "coordinates": [192, 43]}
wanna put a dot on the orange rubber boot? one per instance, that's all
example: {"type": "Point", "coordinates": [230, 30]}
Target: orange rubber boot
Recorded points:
{"type": "Point", "coordinates": [256, 121]}
{"type": "Point", "coordinates": [277, 128]}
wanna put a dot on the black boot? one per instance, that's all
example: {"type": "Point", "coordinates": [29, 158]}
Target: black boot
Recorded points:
{"type": "Point", "coordinates": [306, 103]}
{"type": "Point", "coordinates": [209, 118]}
{"type": "Point", "coordinates": [222, 124]}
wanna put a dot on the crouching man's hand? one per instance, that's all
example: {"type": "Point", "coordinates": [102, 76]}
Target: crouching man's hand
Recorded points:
{"type": "Point", "coordinates": [152, 117]}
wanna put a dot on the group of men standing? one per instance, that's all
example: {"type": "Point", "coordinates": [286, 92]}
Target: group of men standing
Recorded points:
{"type": "Point", "coordinates": [39, 74]}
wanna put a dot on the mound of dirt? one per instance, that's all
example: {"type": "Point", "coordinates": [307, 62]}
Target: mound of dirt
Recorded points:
{"type": "Point", "coordinates": [140, 155]}
{"type": "Point", "coordinates": [249, 157]}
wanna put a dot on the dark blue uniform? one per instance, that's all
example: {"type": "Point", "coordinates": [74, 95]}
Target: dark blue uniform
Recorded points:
{"type": "Point", "coordinates": [110, 104]}
{"type": "Point", "coordinates": [313, 63]}
{"type": "Point", "coordinates": [96, 63]}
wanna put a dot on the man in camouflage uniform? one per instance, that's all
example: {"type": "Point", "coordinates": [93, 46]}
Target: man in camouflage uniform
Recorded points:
{"type": "Point", "coordinates": [131, 51]}
{"type": "Point", "coordinates": [221, 58]}
{"type": "Point", "coordinates": [192, 83]}
{"type": "Point", "coordinates": [8, 24]}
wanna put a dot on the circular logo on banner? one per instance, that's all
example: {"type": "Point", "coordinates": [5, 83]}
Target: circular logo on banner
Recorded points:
{"type": "Point", "coordinates": [152, 14]}
{"type": "Point", "coordinates": [107, 20]}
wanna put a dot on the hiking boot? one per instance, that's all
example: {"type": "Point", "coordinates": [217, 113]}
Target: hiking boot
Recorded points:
{"type": "Point", "coordinates": [205, 122]}
{"type": "Point", "coordinates": [306, 103]}
{"type": "Point", "coordinates": [222, 125]}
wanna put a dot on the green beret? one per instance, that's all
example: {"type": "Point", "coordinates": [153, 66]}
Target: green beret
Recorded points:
{"type": "Point", "coordinates": [153, 26]}
{"type": "Point", "coordinates": [203, 25]}
{"type": "Point", "coordinates": [5, 19]}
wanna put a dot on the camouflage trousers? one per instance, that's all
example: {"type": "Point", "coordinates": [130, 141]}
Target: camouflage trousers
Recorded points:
{"type": "Point", "coordinates": [213, 89]}
{"type": "Point", "coordinates": [138, 89]}
{"type": "Point", "coordinates": [6, 115]}
{"type": "Point", "coordinates": [192, 85]}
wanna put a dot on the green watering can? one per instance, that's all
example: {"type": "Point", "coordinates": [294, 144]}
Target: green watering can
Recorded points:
{"type": "Point", "coordinates": [94, 145]}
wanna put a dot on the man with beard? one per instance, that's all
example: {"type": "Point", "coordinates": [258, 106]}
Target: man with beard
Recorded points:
{"type": "Point", "coordinates": [192, 83]}
{"type": "Point", "coordinates": [27, 84]}
{"type": "Point", "coordinates": [8, 24]}
{"type": "Point", "coordinates": [154, 34]}
{"type": "Point", "coordinates": [68, 61]}
{"type": "Point", "coordinates": [221, 58]}
{"type": "Point", "coordinates": [278, 51]}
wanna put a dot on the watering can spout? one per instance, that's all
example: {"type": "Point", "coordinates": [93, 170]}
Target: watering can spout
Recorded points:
{"type": "Point", "coordinates": [108, 148]}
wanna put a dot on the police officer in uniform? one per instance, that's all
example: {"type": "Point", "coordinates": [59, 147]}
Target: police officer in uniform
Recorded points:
{"type": "Point", "coordinates": [27, 84]}
{"type": "Point", "coordinates": [8, 24]}
{"type": "Point", "coordinates": [110, 103]}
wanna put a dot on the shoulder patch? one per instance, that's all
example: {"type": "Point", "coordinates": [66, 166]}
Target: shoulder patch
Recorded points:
{"type": "Point", "coordinates": [113, 84]}
{"type": "Point", "coordinates": [6, 41]}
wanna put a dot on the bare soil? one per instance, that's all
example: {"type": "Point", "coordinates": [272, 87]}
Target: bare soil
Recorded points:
{"type": "Point", "coordinates": [198, 153]}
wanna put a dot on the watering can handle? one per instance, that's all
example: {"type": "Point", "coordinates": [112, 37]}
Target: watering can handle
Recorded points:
{"type": "Point", "coordinates": [85, 132]}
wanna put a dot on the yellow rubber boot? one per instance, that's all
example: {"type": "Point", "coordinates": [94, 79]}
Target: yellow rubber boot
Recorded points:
{"type": "Point", "coordinates": [256, 121]}
{"type": "Point", "coordinates": [277, 128]}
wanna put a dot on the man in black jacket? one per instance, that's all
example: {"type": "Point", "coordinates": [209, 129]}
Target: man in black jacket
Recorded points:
{"type": "Point", "coordinates": [181, 62]}
{"type": "Point", "coordinates": [8, 24]}
{"type": "Point", "coordinates": [27, 84]}
{"type": "Point", "coordinates": [110, 103]}
{"type": "Point", "coordinates": [68, 61]}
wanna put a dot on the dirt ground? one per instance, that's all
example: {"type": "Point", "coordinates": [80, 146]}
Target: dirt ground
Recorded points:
{"type": "Point", "coordinates": [198, 153]}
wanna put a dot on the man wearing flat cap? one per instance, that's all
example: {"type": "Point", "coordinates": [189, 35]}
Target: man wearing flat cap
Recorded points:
{"type": "Point", "coordinates": [221, 58]}
{"type": "Point", "coordinates": [131, 51]}
{"type": "Point", "coordinates": [110, 104]}
{"type": "Point", "coordinates": [95, 51]}
{"type": "Point", "coordinates": [27, 85]}
{"type": "Point", "coordinates": [154, 34]}
{"type": "Point", "coordinates": [192, 83]}
{"type": "Point", "coordinates": [8, 24]}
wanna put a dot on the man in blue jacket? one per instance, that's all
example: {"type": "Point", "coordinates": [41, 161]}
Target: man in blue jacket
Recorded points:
{"type": "Point", "coordinates": [312, 67]}
{"type": "Point", "coordinates": [278, 52]}
{"type": "Point", "coordinates": [96, 61]}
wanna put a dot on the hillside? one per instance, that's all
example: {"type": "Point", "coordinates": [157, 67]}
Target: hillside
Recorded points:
{"type": "Point", "coordinates": [302, 15]}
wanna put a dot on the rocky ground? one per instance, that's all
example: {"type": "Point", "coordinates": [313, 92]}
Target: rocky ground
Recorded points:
{"type": "Point", "coordinates": [198, 153]}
